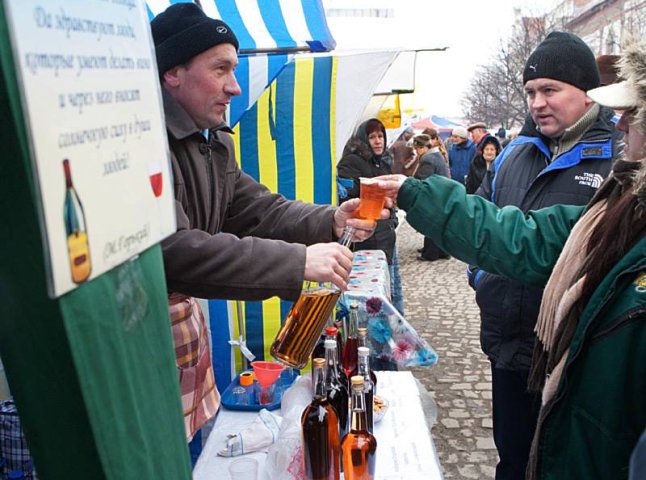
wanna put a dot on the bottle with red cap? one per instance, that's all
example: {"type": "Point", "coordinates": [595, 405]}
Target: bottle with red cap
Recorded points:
{"type": "Point", "coordinates": [333, 333]}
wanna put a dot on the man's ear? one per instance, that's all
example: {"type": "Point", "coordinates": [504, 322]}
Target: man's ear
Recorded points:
{"type": "Point", "coordinates": [172, 77]}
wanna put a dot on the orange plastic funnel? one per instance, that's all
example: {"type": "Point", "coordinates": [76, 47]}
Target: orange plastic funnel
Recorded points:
{"type": "Point", "coordinates": [267, 372]}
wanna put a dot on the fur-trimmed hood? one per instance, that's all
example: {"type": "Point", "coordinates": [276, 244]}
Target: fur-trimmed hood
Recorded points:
{"type": "Point", "coordinates": [632, 68]}
{"type": "Point", "coordinates": [628, 94]}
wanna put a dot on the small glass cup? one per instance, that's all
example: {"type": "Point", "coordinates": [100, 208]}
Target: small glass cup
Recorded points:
{"type": "Point", "coordinates": [240, 395]}
{"type": "Point", "coordinates": [244, 469]}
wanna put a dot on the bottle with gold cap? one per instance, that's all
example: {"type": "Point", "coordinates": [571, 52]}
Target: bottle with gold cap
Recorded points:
{"type": "Point", "coordinates": [320, 426]}
{"type": "Point", "coordinates": [359, 446]}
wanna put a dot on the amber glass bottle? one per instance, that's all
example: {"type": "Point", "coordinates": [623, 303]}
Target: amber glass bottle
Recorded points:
{"type": "Point", "coordinates": [321, 454]}
{"type": "Point", "coordinates": [359, 446]}
{"type": "Point", "coordinates": [296, 339]}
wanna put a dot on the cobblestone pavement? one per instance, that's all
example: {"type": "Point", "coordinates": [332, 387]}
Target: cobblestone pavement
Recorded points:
{"type": "Point", "coordinates": [441, 306]}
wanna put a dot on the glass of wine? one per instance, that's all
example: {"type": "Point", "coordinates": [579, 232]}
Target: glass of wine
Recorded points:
{"type": "Point", "coordinates": [155, 176]}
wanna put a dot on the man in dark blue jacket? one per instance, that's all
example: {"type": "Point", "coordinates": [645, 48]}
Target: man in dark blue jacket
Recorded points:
{"type": "Point", "coordinates": [563, 152]}
{"type": "Point", "coordinates": [461, 154]}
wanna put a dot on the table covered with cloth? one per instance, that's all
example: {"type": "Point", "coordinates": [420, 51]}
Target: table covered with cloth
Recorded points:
{"type": "Point", "coordinates": [405, 448]}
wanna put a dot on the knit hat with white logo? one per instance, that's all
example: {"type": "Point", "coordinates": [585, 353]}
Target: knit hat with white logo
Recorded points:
{"type": "Point", "coordinates": [183, 31]}
{"type": "Point", "coordinates": [563, 56]}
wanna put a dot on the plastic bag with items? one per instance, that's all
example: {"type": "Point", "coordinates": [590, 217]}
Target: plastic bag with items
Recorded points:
{"type": "Point", "coordinates": [391, 338]}
{"type": "Point", "coordinates": [285, 457]}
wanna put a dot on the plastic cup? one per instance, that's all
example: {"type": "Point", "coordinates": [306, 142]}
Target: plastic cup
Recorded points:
{"type": "Point", "coordinates": [372, 199]}
{"type": "Point", "coordinates": [244, 469]}
{"type": "Point", "coordinates": [266, 374]}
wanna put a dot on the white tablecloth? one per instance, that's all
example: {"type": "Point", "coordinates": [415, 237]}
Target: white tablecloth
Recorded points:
{"type": "Point", "coordinates": [405, 449]}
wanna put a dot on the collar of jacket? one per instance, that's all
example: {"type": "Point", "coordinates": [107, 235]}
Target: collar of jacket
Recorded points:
{"type": "Point", "coordinates": [600, 128]}
{"type": "Point", "coordinates": [573, 134]}
{"type": "Point", "coordinates": [179, 123]}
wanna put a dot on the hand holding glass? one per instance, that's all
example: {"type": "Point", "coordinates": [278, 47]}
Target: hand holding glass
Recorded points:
{"type": "Point", "coordinates": [372, 199]}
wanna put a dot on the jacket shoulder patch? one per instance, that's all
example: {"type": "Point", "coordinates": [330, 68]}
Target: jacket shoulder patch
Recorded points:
{"type": "Point", "coordinates": [591, 152]}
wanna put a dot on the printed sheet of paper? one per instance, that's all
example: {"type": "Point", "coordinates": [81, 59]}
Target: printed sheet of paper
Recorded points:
{"type": "Point", "coordinates": [92, 104]}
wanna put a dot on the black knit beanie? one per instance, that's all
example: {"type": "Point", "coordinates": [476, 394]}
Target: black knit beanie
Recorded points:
{"type": "Point", "coordinates": [182, 31]}
{"type": "Point", "coordinates": [563, 56]}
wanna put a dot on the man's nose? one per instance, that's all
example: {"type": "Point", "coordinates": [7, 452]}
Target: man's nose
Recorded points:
{"type": "Point", "coordinates": [538, 100]}
{"type": "Point", "coordinates": [232, 87]}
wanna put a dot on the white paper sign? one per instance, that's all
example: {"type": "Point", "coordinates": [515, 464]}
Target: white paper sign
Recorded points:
{"type": "Point", "coordinates": [92, 103]}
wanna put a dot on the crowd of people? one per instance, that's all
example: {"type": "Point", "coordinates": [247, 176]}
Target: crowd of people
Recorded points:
{"type": "Point", "coordinates": [559, 267]}
{"type": "Point", "coordinates": [552, 224]}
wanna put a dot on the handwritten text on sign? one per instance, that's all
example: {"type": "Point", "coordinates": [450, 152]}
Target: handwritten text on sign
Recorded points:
{"type": "Point", "coordinates": [92, 99]}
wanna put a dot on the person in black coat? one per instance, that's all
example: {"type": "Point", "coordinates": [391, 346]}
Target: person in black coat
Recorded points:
{"type": "Point", "coordinates": [365, 156]}
{"type": "Point", "coordinates": [482, 163]}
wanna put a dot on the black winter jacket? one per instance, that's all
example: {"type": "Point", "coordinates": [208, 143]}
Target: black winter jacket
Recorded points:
{"type": "Point", "coordinates": [359, 161]}
{"type": "Point", "coordinates": [525, 176]}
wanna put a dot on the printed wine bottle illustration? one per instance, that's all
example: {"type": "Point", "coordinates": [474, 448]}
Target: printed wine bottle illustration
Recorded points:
{"type": "Point", "coordinates": [77, 242]}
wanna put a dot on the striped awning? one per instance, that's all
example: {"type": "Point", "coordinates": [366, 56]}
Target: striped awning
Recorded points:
{"type": "Point", "coordinates": [290, 140]}
{"type": "Point", "coordinates": [267, 26]}
{"type": "Point", "coordinates": [269, 33]}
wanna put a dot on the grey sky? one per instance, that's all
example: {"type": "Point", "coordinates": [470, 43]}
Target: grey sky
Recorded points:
{"type": "Point", "coordinates": [472, 29]}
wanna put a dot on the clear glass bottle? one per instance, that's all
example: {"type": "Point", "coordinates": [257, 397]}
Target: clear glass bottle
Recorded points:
{"type": "Point", "coordinates": [351, 341]}
{"type": "Point", "coordinates": [363, 342]}
{"type": "Point", "coordinates": [296, 339]}
{"type": "Point", "coordinates": [359, 446]}
{"type": "Point", "coordinates": [368, 384]}
{"type": "Point", "coordinates": [336, 386]}
{"type": "Point", "coordinates": [320, 426]}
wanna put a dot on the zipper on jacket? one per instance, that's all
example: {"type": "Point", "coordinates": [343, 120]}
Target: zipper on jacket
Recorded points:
{"type": "Point", "coordinates": [211, 175]}
{"type": "Point", "coordinates": [625, 319]}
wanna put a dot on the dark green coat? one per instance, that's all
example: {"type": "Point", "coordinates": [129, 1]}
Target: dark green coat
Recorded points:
{"type": "Point", "coordinates": [594, 420]}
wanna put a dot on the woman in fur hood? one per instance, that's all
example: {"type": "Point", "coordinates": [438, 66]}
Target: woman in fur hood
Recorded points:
{"type": "Point", "coordinates": [590, 356]}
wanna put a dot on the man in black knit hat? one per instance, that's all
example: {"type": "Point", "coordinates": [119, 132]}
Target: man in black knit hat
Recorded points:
{"type": "Point", "coordinates": [563, 152]}
{"type": "Point", "coordinates": [234, 238]}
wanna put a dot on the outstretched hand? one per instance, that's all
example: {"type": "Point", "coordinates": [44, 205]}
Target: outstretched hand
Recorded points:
{"type": "Point", "coordinates": [328, 262]}
{"type": "Point", "coordinates": [391, 184]}
{"type": "Point", "coordinates": [348, 214]}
